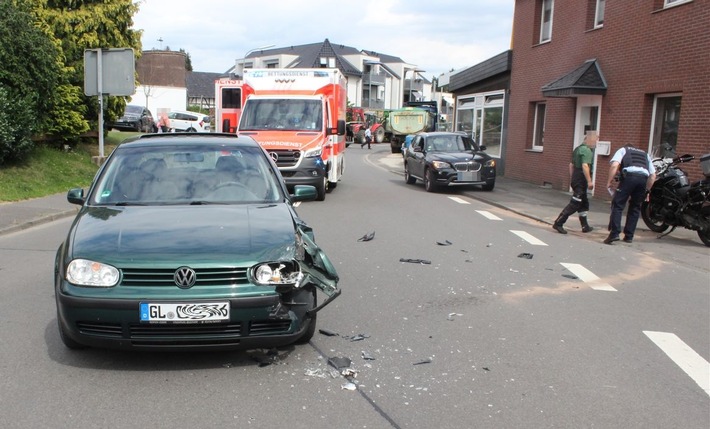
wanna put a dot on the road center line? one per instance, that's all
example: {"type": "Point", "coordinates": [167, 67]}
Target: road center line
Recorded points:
{"type": "Point", "coordinates": [488, 215]}
{"type": "Point", "coordinates": [686, 358]}
{"type": "Point", "coordinates": [459, 200]}
{"type": "Point", "coordinates": [588, 277]}
{"type": "Point", "coordinates": [529, 238]}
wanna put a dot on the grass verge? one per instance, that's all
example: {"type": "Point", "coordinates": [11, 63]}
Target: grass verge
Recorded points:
{"type": "Point", "coordinates": [49, 171]}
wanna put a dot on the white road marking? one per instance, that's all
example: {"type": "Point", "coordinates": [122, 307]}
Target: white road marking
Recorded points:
{"type": "Point", "coordinates": [488, 215]}
{"type": "Point", "coordinates": [459, 200]}
{"type": "Point", "coordinates": [529, 238]}
{"type": "Point", "coordinates": [686, 358]}
{"type": "Point", "coordinates": [588, 277]}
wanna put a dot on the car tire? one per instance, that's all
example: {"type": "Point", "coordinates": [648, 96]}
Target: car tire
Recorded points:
{"type": "Point", "coordinates": [68, 342]}
{"type": "Point", "coordinates": [408, 177]}
{"type": "Point", "coordinates": [191, 130]}
{"type": "Point", "coordinates": [312, 322]}
{"type": "Point", "coordinates": [489, 186]}
{"type": "Point", "coordinates": [429, 181]}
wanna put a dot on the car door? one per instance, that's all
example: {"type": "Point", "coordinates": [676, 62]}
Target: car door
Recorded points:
{"type": "Point", "coordinates": [417, 157]}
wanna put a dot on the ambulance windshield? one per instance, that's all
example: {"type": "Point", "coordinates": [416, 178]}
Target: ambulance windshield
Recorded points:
{"type": "Point", "coordinates": [289, 114]}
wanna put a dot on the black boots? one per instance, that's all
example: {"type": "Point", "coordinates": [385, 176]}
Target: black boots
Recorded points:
{"type": "Point", "coordinates": [557, 226]}
{"type": "Point", "coordinates": [585, 224]}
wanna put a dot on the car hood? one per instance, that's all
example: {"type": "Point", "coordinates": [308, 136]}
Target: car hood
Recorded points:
{"type": "Point", "coordinates": [480, 157]}
{"type": "Point", "coordinates": [197, 235]}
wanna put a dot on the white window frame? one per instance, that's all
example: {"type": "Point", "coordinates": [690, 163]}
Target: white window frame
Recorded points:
{"type": "Point", "coordinates": [537, 134]}
{"type": "Point", "coordinates": [546, 36]}
{"type": "Point", "coordinates": [599, 14]}
{"type": "Point", "coordinates": [672, 3]}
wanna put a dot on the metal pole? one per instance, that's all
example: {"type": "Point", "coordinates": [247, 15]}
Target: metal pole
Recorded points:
{"type": "Point", "coordinates": [99, 80]}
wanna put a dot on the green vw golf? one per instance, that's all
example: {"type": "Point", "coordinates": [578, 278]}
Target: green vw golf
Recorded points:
{"type": "Point", "coordinates": [190, 241]}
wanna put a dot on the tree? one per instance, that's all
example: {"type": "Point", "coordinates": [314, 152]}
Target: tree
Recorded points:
{"type": "Point", "coordinates": [77, 25]}
{"type": "Point", "coordinates": [28, 63]}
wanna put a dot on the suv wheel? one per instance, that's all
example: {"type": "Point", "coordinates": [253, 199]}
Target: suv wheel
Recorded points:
{"type": "Point", "coordinates": [429, 181]}
{"type": "Point", "coordinates": [408, 177]}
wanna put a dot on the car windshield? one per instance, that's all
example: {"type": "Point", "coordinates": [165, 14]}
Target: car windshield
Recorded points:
{"type": "Point", "coordinates": [450, 143]}
{"type": "Point", "coordinates": [282, 114]}
{"type": "Point", "coordinates": [159, 175]}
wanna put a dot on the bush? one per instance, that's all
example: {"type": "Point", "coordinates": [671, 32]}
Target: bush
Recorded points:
{"type": "Point", "coordinates": [16, 127]}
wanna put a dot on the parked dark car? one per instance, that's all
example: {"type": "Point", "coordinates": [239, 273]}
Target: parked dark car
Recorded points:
{"type": "Point", "coordinates": [441, 159]}
{"type": "Point", "coordinates": [187, 241]}
{"type": "Point", "coordinates": [135, 118]}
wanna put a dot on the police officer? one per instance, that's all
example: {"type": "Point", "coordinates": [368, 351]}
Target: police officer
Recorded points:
{"type": "Point", "coordinates": [637, 176]}
{"type": "Point", "coordinates": [581, 180]}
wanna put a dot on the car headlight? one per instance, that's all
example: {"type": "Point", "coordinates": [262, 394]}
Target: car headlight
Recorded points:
{"type": "Point", "coordinates": [277, 273]}
{"type": "Point", "coordinates": [314, 152]}
{"type": "Point", "coordinates": [83, 272]}
{"type": "Point", "coordinates": [440, 164]}
{"type": "Point", "coordinates": [490, 163]}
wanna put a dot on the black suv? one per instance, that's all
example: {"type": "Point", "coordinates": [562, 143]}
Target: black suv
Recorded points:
{"type": "Point", "coordinates": [442, 159]}
{"type": "Point", "coordinates": [135, 118]}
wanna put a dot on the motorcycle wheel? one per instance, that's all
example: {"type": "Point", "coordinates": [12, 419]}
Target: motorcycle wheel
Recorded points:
{"type": "Point", "coordinates": [705, 235]}
{"type": "Point", "coordinates": [650, 218]}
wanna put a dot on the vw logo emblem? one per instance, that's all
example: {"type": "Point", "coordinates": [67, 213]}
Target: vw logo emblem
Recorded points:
{"type": "Point", "coordinates": [274, 156]}
{"type": "Point", "coordinates": [185, 277]}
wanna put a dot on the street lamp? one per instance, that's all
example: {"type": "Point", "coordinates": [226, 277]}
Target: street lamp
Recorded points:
{"type": "Point", "coordinates": [411, 81]}
{"type": "Point", "coordinates": [244, 60]}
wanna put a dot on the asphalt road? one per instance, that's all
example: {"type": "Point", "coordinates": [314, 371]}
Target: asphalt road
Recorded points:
{"type": "Point", "coordinates": [580, 335]}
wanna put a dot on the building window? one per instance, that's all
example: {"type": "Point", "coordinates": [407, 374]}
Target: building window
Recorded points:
{"type": "Point", "coordinates": [539, 126]}
{"type": "Point", "coordinates": [546, 21]}
{"type": "Point", "coordinates": [599, 14]}
{"type": "Point", "coordinates": [664, 128]}
{"type": "Point", "coordinates": [481, 117]}
{"type": "Point", "coordinates": [670, 3]}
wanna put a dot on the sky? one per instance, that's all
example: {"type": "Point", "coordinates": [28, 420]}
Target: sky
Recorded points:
{"type": "Point", "coordinates": [435, 36]}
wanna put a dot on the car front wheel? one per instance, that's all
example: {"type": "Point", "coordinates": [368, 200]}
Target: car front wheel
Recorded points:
{"type": "Point", "coordinates": [429, 181]}
{"type": "Point", "coordinates": [489, 186]}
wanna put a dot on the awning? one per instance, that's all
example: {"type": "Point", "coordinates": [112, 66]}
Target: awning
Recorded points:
{"type": "Point", "coordinates": [584, 80]}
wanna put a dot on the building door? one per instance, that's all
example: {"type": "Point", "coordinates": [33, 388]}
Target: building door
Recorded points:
{"type": "Point", "coordinates": [587, 119]}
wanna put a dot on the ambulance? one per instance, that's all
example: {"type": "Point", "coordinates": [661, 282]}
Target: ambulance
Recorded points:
{"type": "Point", "coordinates": [228, 104]}
{"type": "Point", "coordinates": [298, 117]}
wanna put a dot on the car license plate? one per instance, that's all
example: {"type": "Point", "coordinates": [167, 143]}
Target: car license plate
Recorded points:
{"type": "Point", "coordinates": [467, 176]}
{"type": "Point", "coordinates": [152, 312]}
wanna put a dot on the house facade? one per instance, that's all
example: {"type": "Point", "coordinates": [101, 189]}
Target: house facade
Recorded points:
{"type": "Point", "coordinates": [481, 96]}
{"type": "Point", "coordinates": [635, 72]}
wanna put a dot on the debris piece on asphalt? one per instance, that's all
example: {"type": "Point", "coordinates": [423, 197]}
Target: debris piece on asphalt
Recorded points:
{"type": "Point", "coordinates": [367, 356]}
{"type": "Point", "coordinates": [444, 243]}
{"type": "Point", "coordinates": [318, 372]}
{"type": "Point", "coordinates": [489, 245]}
{"type": "Point", "coordinates": [526, 255]}
{"type": "Point", "coordinates": [485, 368]}
{"type": "Point", "coordinates": [570, 276]}
{"type": "Point", "coordinates": [367, 237]}
{"type": "Point", "coordinates": [422, 362]}
{"type": "Point", "coordinates": [359, 337]}
{"type": "Point", "coordinates": [264, 358]}
{"type": "Point", "coordinates": [339, 362]}
{"type": "Point", "coordinates": [348, 386]}
{"type": "Point", "coordinates": [328, 332]}
{"type": "Point", "coordinates": [451, 316]}
{"type": "Point", "coordinates": [349, 373]}
{"type": "Point", "coordinates": [415, 261]}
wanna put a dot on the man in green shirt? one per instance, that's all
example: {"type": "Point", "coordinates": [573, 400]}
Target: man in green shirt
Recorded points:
{"type": "Point", "coordinates": [581, 179]}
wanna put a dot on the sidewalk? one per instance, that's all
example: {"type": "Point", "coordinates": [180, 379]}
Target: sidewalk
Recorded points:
{"type": "Point", "coordinates": [526, 199]}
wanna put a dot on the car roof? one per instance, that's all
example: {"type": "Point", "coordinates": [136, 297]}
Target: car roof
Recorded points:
{"type": "Point", "coordinates": [189, 139]}
{"type": "Point", "coordinates": [188, 111]}
{"type": "Point", "coordinates": [442, 133]}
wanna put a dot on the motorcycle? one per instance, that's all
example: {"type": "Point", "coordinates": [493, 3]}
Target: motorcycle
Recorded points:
{"type": "Point", "coordinates": [673, 201]}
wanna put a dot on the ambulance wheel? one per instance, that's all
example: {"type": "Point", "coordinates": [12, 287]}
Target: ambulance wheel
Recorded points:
{"type": "Point", "coordinates": [322, 188]}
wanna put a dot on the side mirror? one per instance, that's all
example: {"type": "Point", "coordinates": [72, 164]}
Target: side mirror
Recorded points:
{"type": "Point", "coordinates": [482, 148]}
{"type": "Point", "coordinates": [340, 130]}
{"type": "Point", "coordinates": [304, 193]}
{"type": "Point", "coordinates": [685, 158]}
{"type": "Point", "coordinates": [76, 196]}
{"type": "Point", "coordinates": [417, 149]}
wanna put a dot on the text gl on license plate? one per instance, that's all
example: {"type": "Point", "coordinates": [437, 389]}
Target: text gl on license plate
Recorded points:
{"type": "Point", "coordinates": [184, 312]}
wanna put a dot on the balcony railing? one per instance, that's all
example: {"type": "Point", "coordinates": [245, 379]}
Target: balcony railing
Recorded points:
{"type": "Point", "coordinates": [373, 79]}
{"type": "Point", "coordinates": [373, 104]}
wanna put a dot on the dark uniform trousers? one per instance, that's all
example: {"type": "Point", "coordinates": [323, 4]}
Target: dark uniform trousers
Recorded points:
{"type": "Point", "coordinates": [579, 201]}
{"type": "Point", "coordinates": [632, 189]}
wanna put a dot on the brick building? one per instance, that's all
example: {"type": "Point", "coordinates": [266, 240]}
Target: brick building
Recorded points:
{"type": "Point", "coordinates": [635, 71]}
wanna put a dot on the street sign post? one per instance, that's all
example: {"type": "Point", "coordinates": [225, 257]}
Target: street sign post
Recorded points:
{"type": "Point", "coordinates": [108, 72]}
